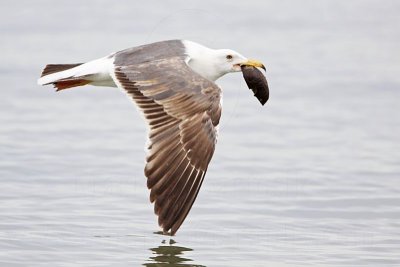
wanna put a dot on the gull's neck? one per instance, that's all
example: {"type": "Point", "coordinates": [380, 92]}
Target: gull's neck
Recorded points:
{"type": "Point", "coordinates": [201, 59]}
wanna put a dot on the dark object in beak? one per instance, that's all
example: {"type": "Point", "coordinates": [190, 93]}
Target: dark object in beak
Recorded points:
{"type": "Point", "coordinates": [257, 82]}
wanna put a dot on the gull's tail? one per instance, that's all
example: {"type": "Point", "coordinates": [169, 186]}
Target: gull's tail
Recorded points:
{"type": "Point", "coordinates": [59, 80]}
{"type": "Point", "coordinates": [64, 76]}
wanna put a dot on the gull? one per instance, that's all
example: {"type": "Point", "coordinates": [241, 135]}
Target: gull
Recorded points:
{"type": "Point", "coordinates": [173, 85]}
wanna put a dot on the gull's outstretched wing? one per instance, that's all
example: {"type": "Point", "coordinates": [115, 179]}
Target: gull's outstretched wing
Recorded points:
{"type": "Point", "coordinates": [182, 110]}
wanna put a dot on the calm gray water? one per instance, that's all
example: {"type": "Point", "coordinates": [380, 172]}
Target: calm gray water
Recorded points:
{"type": "Point", "coordinates": [310, 179]}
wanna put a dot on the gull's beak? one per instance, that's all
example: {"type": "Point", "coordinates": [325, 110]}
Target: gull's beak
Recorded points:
{"type": "Point", "coordinates": [253, 63]}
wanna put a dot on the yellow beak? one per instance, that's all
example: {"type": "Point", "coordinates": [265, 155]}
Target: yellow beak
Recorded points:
{"type": "Point", "coordinates": [254, 63]}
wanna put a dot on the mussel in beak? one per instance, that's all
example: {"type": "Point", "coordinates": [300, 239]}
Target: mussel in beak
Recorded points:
{"type": "Point", "coordinates": [257, 82]}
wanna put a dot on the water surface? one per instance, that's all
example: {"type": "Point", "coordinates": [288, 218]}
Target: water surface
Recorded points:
{"type": "Point", "coordinates": [312, 178]}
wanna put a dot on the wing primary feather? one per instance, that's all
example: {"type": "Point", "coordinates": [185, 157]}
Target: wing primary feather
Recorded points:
{"type": "Point", "coordinates": [167, 181]}
{"type": "Point", "coordinates": [161, 172]}
{"type": "Point", "coordinates": [178, 222]}
{"type": "Point", "coordinates": [167, 199]}
{"type": "Point", "coordinates": [185, 199]}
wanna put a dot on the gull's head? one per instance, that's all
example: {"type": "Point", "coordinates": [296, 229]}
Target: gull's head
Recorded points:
{"type": "Point", "coordinates": [214, 63]}
{"type": "Point", "coordinates": [229, 60]}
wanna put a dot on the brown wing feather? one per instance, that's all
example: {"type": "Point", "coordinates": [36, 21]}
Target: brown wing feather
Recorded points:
{"type": "Point", "coordinates": [182, 110]}
{"type": "Point", "coordinates": [53, 68]}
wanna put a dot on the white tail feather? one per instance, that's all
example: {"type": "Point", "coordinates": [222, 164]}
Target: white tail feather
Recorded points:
{"type": "Point", "coordinates": [97, 71]}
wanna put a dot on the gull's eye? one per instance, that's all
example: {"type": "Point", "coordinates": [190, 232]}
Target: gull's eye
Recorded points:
{"type": "Point", "coordinates": [229, 57]}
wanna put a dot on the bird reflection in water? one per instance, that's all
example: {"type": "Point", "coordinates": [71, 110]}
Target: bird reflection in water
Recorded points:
{"type": "Point", "coordinates": [171, 255]}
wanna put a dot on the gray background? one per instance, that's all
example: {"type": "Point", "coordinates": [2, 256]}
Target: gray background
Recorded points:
{"type": "Point", "coordinates": [311, 178]}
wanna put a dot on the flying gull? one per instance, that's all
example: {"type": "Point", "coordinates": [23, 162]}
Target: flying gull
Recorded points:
{"type": "Point", "coordinates": [172, 83]}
